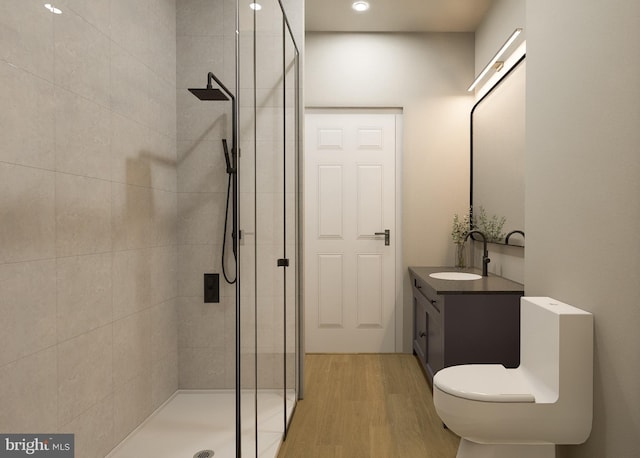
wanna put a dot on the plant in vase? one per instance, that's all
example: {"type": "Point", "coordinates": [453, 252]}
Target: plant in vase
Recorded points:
{"type": "Point", "coordinates": [460, 229]}
{"type": "Point", "coordinates": [491, 227]}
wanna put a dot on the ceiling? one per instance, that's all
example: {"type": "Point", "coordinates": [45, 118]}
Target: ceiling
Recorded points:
{"type": "Point", "coordinates": [396, 16]}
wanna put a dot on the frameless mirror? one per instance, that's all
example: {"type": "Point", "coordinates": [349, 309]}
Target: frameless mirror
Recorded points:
{"type": "Point", "coordinates": [497, 152]}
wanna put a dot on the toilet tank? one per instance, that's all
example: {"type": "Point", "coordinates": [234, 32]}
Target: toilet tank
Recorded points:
{"type": "Point", "coordinates": [556, 350]}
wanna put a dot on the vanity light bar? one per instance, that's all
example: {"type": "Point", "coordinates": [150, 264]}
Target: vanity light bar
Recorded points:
{"type": "Point", "coordinates": [495, 58]}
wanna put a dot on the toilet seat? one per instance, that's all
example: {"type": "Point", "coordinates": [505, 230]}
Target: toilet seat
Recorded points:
{"type": "Point", "coordinates": [484, 382]}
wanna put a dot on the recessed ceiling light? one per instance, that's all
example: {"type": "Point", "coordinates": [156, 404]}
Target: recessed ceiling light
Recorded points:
{"type": "Point", "coordinates": [360, 6]}
{"type": "Point", "coordinates": [52, 8]}
{"type": "Point", "coordinates": [255, 6]}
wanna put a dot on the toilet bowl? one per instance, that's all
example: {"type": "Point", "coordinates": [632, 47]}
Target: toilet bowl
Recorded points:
{"type": "Point", "coordinates": [524, 412]}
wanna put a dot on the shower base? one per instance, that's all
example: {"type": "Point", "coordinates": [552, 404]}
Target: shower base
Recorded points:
{"type": "Point", "coordinates": [192, 421]}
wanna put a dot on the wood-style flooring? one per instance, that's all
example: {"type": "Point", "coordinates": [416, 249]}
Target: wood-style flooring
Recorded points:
{"type": "Point", "coordinates": [366, 405]}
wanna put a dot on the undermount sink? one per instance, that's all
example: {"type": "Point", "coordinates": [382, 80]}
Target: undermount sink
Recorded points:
{"type": "Point", "coordinates": [455, 276]}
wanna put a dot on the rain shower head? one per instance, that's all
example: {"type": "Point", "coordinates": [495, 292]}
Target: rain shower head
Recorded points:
{"type": "Point", "coordinates": [208, 93]}
{"type": "Point", "coordinates": [211, 93]}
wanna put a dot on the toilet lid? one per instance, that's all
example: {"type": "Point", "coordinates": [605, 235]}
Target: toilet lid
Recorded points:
{"type": "Point", "coordinates": [484, 382]}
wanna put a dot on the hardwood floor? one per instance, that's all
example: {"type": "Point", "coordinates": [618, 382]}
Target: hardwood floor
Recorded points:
{"type": "Point", "coordinates": [366, 406]}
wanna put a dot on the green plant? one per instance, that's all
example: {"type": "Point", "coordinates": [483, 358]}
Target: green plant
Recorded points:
{"type": "Point", "coordinates": [491, 227]}
{"type": "Point", "coordinates": [460, 228]}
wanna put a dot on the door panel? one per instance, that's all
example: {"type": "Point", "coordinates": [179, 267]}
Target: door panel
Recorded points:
{"type": "Point", "coordinates": [330, 196]}
{"type": "Point", "coordinates": [350, 196]}
{"type": "Point", "coordinates": [330, 275]}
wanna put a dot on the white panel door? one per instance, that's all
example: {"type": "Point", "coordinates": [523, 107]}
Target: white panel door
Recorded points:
{"type": "Point", "coordinates": [349, 197]}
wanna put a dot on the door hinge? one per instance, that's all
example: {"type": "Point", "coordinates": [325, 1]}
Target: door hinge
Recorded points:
{"type": "Point", "coordinates": [283, 262]}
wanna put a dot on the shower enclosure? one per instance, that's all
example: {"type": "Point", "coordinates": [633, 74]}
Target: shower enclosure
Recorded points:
{"type": "Point", "coordinates": [269, 115]}
{"type": "Point", "coordinates": [254, 137]}
{"type": "Point", "coordinates": [114, 197]}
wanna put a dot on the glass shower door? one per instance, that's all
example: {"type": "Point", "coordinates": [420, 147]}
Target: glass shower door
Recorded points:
{"type": "Point", "coordinates": [268, 220]}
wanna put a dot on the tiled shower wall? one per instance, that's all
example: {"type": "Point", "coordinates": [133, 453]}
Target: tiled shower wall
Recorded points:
{"type": "Point", "coordinates": [206, 39]}
{"type": "Point", "coordinates": [205, 43]}
{"type": "Point", "coordinates": [88, 217]}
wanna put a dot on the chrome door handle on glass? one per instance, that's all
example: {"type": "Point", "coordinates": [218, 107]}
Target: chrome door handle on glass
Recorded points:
{"type": "Point", "coordinates": [387, 236]}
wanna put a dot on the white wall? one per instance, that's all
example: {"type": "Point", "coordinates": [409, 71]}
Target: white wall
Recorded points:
{"type": "Point", "coordinates": [583, 193]}
{"type": "Point", "coordinates": [427, 76]}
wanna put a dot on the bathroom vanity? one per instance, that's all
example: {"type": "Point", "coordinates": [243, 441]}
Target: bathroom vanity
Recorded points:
{"type": "Point", "coordinates": [464, 321]}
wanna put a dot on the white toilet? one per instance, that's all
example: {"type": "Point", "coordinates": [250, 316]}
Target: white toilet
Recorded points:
{"type": "Point", "coordinates": [524, 412]}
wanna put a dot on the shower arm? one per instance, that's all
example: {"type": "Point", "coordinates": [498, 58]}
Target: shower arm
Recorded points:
{"type": "Point", "coordinates": [211, 76]}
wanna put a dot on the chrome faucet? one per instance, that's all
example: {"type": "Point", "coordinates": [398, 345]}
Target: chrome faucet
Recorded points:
{"type": "Point", "coordinates": [506, 239]}
{"type": "Point", "coordinates": [485, 253]}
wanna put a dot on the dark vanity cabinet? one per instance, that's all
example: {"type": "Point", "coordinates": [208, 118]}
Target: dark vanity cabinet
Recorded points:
{"type": "Point", "coordinates": [464, 322]}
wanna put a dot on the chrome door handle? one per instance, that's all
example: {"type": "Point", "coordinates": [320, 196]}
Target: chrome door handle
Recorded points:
{"type": "Point", "coordinates": [387, 236]}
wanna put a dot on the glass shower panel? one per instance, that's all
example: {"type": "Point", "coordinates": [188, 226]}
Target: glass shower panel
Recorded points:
{"type": "Point", "coordinates": [290, 236]}
{"type": "Point", "coordinates": [268, 81]}
{"type": "Point", "coordinates": [270, 223]}
{"type": "Point", "coordinates": [246, 352]}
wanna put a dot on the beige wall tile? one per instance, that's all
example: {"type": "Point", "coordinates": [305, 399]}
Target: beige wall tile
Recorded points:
{"type": "Point", "coordinates": [161, 151]}
{"type": "Point", "coordinates": [133, 212]}
{"type": "Point", "coordinates": [164, 330]}
{"type": "Point", "coordinates": [131, 348]}
{"type": "Point", "coordinates": [164, 274]}
{"type": "Point", "coordinates": [29, 394]}
{"type": "Point", "coordinates": [83, 215]}
{"type": "Point", "coordinates": [130, 27]}
{"type": "Point", "coordinates": [131, 406]}
{"type": "Point", "coordinates": [199, 17]}
{"type": "Point", "coordinates": [201, 217]}
{"type": "Point", "coordinates": [93, 430]}
{"type": "Point", "coordinates": [81, 58]}
{"type": "Point", "coordinates": [128, 86]}
{"type": "Point", "coordinates": [83, 136]}
{"type": "Point", "coordinates": [95, 13]}
{"type": "Point", "coordinates": [131, 277]}
{"type": "Point", "coordinates": [89, 94]}
{"type": "Point", "coordinates": [164, 231]}
{"type": "Point", "coordinates": [26, 29]}
{"type": "Point", "coordinates": [162, 100]}
{"type": "Point", "coordinates": [27, 117]}
{"type": "Point", "coordinates": [202, 166]}
{"type": "Point", "coordinates": [129, 151]}
{"type": "Point", "coordinates": [193, 262]}
{"type": "Point", "coordinates": [201, 368]}
{"type": "Point", "coordinates": [164, 380]}
{"type": "Point", "coordinates": [162, 49]}
{"type": "Point", "coordinates": [200, 325]}
{"type": "Point", "coordinates": [27, 228]}
{"type": "Point", "coordinates": [84, 372]}
{"type": "Point", "coordinates": [28, 309]}
{"type": "Point", "coordinates": [197, 56]}
{"type": "Point", "coordinates": [83, 294]}
{"type": "Point", "coordinates": [164, 12]}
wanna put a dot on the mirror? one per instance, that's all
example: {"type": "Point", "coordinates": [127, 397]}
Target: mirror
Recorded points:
{"type": "Point", "coordinates": [497, 152]}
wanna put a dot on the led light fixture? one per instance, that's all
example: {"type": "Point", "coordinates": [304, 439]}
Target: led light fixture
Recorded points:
{"type": "Point", "coordinates": [492, 63]}
{"type": "Point", "coordinates": [360, 6]}
{"type": "Point", "coordinates": [52, 8]}
{"type": "Point", "coordinates": [255, 6]}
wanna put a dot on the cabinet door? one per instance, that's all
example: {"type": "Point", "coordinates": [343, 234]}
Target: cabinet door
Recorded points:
{"type": "Point", "coordinates": [435, 339]}
{"type": "Point", "coordinates": [419, 328]}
